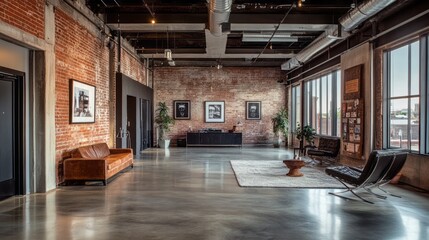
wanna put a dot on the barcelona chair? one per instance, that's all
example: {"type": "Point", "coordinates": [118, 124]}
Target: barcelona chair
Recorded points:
{"type": "Point", "coordinates": [376, 169]}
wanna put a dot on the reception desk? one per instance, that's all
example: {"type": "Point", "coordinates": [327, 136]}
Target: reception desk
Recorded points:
{"type": "Point", "coordinates": [213, 139]}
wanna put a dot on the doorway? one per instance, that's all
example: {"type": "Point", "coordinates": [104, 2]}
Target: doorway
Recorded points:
{"type": "Point", "coordinates": [131, 123]}
{"type": "Point", "coordinates": [145, 124]}
{"type": "Point", "coordinates": [11, 138]}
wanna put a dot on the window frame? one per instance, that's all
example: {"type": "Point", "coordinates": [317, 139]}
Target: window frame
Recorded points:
{"type": "Point", "coordinates": [423, 95]}
{"type": "Point", "coordinates": [314, 85]}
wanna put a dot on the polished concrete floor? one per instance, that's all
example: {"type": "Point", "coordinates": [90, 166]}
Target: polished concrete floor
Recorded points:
{"type": "Point", "coordinates": [191, 193]}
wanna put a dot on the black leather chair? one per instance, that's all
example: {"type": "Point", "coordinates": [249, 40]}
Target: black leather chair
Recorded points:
{"type": "Point", "coordinates": [376, 169]}
{"type": "Point", "coordinates": [398, 163]}
{"type": "Point", "coordinates": [328, 148]}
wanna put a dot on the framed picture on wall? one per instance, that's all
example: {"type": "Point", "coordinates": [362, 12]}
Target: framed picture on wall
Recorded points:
{"type": "Point", "coordinates": [253, 110]}
{"type": "Point", "coordinates": [182, 109]}
{"type": "Point", "coordinates": [82, 102]}
{"type": "Point", "coordinates": [214, 112]}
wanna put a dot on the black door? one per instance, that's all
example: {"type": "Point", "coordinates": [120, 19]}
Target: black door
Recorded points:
{"type": "Point", "coordinates": [131, 123]}
{"type": "Point", "coordinates": [10, 135]}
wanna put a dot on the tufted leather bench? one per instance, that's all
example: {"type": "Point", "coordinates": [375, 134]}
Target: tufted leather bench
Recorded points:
{"type": "Point", "coordinates": [96, 163]}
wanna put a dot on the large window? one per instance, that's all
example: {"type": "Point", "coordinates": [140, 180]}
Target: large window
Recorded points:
{"type": "Point", "coordinates": [403, 97]}
{"type": "Point", "coordinates": [322, 99]}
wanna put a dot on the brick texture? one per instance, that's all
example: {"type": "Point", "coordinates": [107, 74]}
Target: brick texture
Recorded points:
{"type": "Point", "coordinates": [84, 57]}
{"type": "Point", "coordinates": [132, 67]}
{"type": "Point", "coordinates": [234, 85]}
{"type": "Point", "coordinates": [28, 15]}
{"type": "Point", "coordinates": [81, 56]}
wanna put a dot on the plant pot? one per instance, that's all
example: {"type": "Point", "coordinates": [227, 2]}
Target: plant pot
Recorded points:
{"type": "Point", "coordinates": [277, 143]}
{"type": "Point", "coordinates": [164, 143]}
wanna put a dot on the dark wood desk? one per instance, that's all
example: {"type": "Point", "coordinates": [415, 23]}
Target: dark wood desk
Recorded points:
{"type": "Point", "coordinates": [214, 139]}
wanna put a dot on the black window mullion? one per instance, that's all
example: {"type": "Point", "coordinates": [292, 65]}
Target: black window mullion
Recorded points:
{"type": "Point", "coordinates": [409, 100]}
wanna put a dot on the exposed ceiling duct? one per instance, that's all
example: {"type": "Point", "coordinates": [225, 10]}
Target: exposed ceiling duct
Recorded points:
{"type": "Point", "coordinates": [349, 22]}
{"type": "Point", "coordinates": [362, 12]}
{"type": "Point", "coordinates": [219, 11]}
{"type": "Point", "coordinates": [324, 40]}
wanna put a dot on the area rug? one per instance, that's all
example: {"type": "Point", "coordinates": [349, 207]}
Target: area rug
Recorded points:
{"type": "Point", "coordinates": [273, 174]}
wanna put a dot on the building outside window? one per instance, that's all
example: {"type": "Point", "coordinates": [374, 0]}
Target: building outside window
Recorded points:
{"type": "Point", "coordinates": [322, 98]}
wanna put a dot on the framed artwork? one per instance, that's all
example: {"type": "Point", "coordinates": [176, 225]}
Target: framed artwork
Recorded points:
{"type": "Point", "coordinates": [214, 112]}
{"type": "Point", "coordinates": [253, 110]}
{"type": "Point", "coordinates": [182, 109]}
{"type": "Point", "coordinates": [82, 102]}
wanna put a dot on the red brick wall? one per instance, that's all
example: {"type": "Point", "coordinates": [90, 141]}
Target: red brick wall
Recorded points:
{"type": "Point", "coordinates": [81, 56]}
{"type": "Point", "coordinates": [28, 15]}
{"type": "Point", "coordinates": [234, 85]}
{"type": "Point", "coordinates": [132, 67]}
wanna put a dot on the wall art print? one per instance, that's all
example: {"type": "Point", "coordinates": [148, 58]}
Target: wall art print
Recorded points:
{"type": "Point", "coordinates": [182, 109]}
{"type": "Point", "coordinates": [253, 110]}
{"type": "Point", "coordinates": [214, 111]}
{"type": "Point", "coordinates": [82, 102]}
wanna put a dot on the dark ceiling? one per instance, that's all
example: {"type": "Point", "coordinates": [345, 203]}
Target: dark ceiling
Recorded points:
{"type": "Point", "coordinates": [180, 26]}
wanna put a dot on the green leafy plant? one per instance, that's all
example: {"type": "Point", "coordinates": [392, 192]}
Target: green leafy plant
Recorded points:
{"type": "Point", "coordinates": [163, 120]}
{"type": "Point", "coordinates": [280, 122]}
{"type": "Point", "coordinates": [306, 133]}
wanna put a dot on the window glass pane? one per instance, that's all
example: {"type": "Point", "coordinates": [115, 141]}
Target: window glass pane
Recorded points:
{"type": "Point", "coordinates": [316, 103]}
{"type": "Point", "coordinates": [415, 68]}
{"type": "Point", "coordinates": [415, 124]}
{"type": "Point", "coordinates": [398, 123]}
{"type": "Point", "coordinates": [307, 103]}
{"type": "Point", "coordinates": [324, 109]}
{"type": "Point", "coordinates": [329, 107]}
{"type": "Point", "coordinates": [298, 105]}
{"type": "Point", "coordinates": [399, 72]}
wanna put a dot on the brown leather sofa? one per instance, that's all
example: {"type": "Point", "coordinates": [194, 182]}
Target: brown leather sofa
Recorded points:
{"type": "Point", "coordinates": [96, 163]}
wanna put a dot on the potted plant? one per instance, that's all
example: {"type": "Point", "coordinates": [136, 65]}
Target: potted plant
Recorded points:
{"type": "Point", "coordinates": [306, 133]}
{"type": "Point", "coordinates": [280, 125]}
{"type": "Point", "coordinates": [164, 121]}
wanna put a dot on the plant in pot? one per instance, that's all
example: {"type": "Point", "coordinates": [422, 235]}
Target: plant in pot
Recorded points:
{"type": "Point", "coordinates": [280, 126]}
{"type": "Point", "coordinates": [306, 133]}
{"type": "Point", "coordinates": [164, 121]}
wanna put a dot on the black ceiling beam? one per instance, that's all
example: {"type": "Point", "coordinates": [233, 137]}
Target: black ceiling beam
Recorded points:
{"type": "Point", "coordinates": [124, 17]}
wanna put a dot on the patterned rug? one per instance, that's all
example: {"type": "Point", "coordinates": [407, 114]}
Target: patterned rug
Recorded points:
{"type": "Point", "coordinates": [270, 173]}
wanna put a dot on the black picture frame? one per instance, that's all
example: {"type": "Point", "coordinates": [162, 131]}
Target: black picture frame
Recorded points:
{"type": "Point", "coordinates": [82, 102]}
{"type": "Point", "coordinates": [253, 110]}
{"type": "Point", "coordinates": [182, 109]}
{"type": "Point", "coordinates": [214, 111]}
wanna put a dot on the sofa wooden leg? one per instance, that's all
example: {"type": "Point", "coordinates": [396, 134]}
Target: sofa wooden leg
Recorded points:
{"type": "Point", "coordinates": [105, 182]}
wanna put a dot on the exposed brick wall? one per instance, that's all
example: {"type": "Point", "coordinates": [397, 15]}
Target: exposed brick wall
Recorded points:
{"type": "Point", "coordinates": [233, 85]}
{"type": "Point", "coordinates": [132, 67]}
{"type": "Point", "coordinates": [28, 15]}
{"type": "Point", "coordinates": [81, 56]}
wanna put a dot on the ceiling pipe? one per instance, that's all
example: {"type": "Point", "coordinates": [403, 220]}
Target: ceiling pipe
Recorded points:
{"type": "Point", "coordinates": [219, 11]}
{"type": "Point", "coordinates": [349, 22]}
{"type": "Point", "coordinates": [325, 39]}
{"type": "Point", "coordinates": [362, 12]}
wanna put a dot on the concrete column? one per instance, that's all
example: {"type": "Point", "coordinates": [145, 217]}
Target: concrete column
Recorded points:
{"type": "Point", "coordinates": [50, 99]}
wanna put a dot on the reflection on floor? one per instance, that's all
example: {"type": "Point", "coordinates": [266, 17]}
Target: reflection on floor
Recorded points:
{"type": "Point", "coordinates": [191, 193]}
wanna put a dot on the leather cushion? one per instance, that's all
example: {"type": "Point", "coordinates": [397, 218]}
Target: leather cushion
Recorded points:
{"type": "Point", "coordinates": [344, 173]}
{"type": "Point", "coordinates": [84, 152]}
{"type": "Point", "coordinates": [101, 150]}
